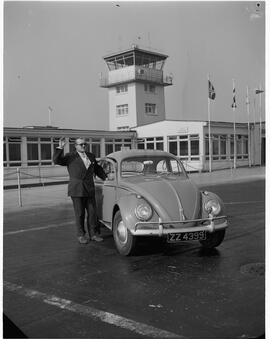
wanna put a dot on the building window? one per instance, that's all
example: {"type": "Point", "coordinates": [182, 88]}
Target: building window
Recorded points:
{"type": "Point", "coordinates": [96, 150]}
{"type": "Point", "coordinates": [223, 147]}
{"type": "Point", "coordinates": [159, 143]}
{"type": "Point", "coordinates": [150, 88]}
{"type": "Point", "coordinates": [173, 147]}
{"type": "Point", "coordinates": [231, 146]}
{"type": "Point", "coordinates": [242, 146]}
{"type": "Point", "coordinates": [220, 150]}
{"type": "Point", "coordinates": [245, 145]}
{"type": "Point", "coordinates": [207, 146]}
{"type": "Point", "coordinates": [5, 152]}
{"type": "Point", "coordinates": [215, 147]}
{"type": "Point", "coordinates": [123, 128]}
{"type": "Point", "coordinates": [46, 151]}
{"type": "Point", "coordinates": [14, 151]}
{"type": "Point", "coordinates": [39, 150]}
{"type": "Point", "coordinates": [185, 146]}
{"type": "Point", "coordinates": [122, 110]}
{"type": "Point", "coordinates": [150, 109]}
{"type": "Point", "coordinates": [94, 146]}
{"type": "Point", "coordinates": [114, 145]}
{"type": "Point", "coordinates": [156, 143]}
{"type": "Point", "coordinates": [108, 148]}
{"type": "Point", "coordinates": [149, 143]}
{"type": "Point", "coordinates": [172, 140]}
{"type": "Point", "coordinates": [122, 88]}
{"type": "Point", "coordinates": [32, 154]}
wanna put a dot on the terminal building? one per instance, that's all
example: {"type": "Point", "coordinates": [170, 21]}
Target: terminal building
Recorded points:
{"type": "Point", "coordinates": [135, 84]}
{"type": "Point", "coordinates": [137, 119]}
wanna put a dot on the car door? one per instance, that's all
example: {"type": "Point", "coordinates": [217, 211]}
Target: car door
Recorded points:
{"type": "Point", "coordinates": [106, 192]}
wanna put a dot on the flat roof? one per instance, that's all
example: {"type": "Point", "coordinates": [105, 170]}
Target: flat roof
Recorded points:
{"type": "Point", "coordinates": [136, 49]}
{"type": "Point", "coordinates": [56, 131]}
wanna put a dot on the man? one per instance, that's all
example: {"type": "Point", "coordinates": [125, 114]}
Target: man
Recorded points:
{"type": "Point", "coordinates": [81, 167]}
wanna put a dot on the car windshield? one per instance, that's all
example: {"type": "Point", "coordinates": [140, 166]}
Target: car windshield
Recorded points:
{"type": "Point", "coordinates": [152, 165]}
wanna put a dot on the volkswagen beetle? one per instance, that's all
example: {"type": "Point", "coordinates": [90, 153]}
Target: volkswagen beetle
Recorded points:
{"type": "Point", "coordinates": [148, 193]}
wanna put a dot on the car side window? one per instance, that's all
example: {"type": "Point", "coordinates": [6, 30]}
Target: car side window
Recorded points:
{"type": "Point", "coordinates": [162, 167]}
{"type": "Point", "coordinates": [175, 166]}
{"type": "Point", "coordinates": [108, 169]}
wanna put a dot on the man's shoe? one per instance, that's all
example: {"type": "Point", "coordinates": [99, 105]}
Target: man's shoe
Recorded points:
{"type": "Point", "coordinates": [82, 240]}
{"type": "Point", "coordinates": [97, 238]}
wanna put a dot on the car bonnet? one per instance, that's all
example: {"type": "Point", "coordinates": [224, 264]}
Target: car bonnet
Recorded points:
{"type": "Point", "coordinates": [179, 197]}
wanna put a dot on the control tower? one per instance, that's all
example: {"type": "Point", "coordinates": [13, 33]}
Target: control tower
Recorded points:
{"type": "Point", "coordinates": [136, 88]}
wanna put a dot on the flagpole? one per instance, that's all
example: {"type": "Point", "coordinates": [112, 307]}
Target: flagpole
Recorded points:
{"type": "Point", "coordinates": [209, 132]}
{"type": "Point", "coordinates": [234, 130]}
{"type": "Point", "coordinates": [260, 109]}
{"type": "Point", "coordinates": [247, 102]}
{"type": "Point", "coordinates": [254, 122]}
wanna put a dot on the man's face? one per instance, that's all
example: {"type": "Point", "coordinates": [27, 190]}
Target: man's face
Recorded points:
{"type": "Point", "coordinates": [80, 145]}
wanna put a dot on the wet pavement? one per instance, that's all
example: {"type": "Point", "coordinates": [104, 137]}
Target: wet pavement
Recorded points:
{"type": "Point", "coordinates": [56, 288]}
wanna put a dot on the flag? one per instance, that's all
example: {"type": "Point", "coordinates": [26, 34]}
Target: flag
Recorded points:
{"type": "Point", "coordinates": [234, 99]}
{"type": "Point", "coordinates": [211, 91]}
{"type": "Point", "coordinates": [258, 91]}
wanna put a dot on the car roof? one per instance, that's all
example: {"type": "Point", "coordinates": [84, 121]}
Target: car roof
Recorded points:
{"type": "Point", "coordinates": [120, 155]}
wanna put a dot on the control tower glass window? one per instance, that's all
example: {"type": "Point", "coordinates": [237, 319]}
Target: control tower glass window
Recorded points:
{"type": "Point", "coordinates": [136, 57]}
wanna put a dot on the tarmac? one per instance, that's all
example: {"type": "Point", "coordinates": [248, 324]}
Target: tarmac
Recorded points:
{"type": "Point", "coordinates": [50, 193]}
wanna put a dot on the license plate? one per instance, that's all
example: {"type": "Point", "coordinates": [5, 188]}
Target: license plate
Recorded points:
{"type": "Point", "coordinates": [186, 236]}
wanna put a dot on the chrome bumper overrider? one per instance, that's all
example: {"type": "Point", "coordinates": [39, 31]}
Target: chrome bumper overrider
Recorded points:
{"type": "Point", "coordinates": [160, 230]}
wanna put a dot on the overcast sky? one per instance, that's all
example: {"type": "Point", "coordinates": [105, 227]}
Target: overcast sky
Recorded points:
{"type": "Point", "coordinates": [53, 54]}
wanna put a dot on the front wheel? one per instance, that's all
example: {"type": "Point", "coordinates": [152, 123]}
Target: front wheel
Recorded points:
{"type": "Point", "coordinates": [213, 239]}
{"type": "Point", "coordinates": [124, 241]}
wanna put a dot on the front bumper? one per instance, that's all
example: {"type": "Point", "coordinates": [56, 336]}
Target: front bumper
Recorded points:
{"type": "Point", "coordinates": [160, 228]}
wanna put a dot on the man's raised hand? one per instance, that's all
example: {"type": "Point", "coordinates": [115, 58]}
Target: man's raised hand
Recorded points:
{"type": "Point", "coordinates": [62, 142]}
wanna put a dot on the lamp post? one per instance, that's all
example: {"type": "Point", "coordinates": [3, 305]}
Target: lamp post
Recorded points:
{"type": "Point", "coordinates": [247, 102]}
{"type": "Point", "coordinates": [260, 91]}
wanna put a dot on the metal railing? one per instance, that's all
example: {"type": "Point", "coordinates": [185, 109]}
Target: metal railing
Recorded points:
{"type": "Point", "coordinates": [41, 180]}
{"type": "Point", "coordinates": [157, 79]}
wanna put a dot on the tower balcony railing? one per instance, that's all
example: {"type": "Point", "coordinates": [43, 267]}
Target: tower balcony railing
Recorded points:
{"type": "Point", "coordinates": [139, 75]}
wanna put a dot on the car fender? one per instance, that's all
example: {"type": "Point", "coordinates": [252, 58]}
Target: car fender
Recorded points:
{"type": "Point", "coordinates": [127, 205]}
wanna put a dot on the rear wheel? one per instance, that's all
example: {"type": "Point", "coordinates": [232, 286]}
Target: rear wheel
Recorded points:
{"type": "Point", "coordinates": [213, 239]}
{"type": "Point", "coordinates": [124, 241]}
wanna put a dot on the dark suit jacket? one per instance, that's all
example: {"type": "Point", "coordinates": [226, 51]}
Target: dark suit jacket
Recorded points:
{"type": "Point", "coordinates": [81, 182]}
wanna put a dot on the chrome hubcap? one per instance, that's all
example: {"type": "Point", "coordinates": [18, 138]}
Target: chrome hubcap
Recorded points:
{"type": "Point", "coordinates": [122, 232]}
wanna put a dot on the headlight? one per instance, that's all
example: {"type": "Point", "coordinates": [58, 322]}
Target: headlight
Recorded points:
{"type": "Point", "coordinates": [213, 207]}
{"type": "Point", "coordinates": [143, 211]}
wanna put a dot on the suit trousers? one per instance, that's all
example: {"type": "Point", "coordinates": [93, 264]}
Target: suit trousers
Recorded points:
{"type": "Point", "coordinates": [88, 204]}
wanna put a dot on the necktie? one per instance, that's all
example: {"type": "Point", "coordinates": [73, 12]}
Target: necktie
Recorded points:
{"type": "Point", "coordinates": [85, 160]}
